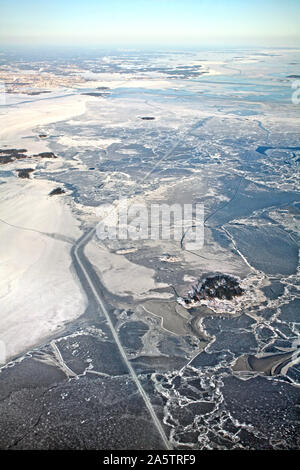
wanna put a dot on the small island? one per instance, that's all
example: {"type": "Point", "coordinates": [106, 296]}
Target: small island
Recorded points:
{"type": "Point", "coordinates": [56, 191]}
{"type": "Point", "coordinates": [25, 172]}
{"type": "Point", "coordinates": [222, 287]}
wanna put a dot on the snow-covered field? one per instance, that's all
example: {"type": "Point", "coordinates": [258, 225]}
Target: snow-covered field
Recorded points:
{"type": "Point", "coordinates": [18, 121]}
{"type": "Point", "coordinates": [38, 292]}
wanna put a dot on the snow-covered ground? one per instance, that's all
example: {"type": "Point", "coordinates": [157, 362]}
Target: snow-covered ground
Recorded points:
{"type": "Point", "coordinates": [18, 121]}
{"type": "Point", "coordinates": [38, 292]}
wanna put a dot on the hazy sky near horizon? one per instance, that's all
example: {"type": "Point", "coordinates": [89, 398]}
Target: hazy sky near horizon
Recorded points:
{"type": "Point", "coordinates": [150, 22]}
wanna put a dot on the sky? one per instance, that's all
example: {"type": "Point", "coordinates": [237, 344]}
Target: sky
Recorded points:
{"type": "Point", "coordinates": [150, 22]}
